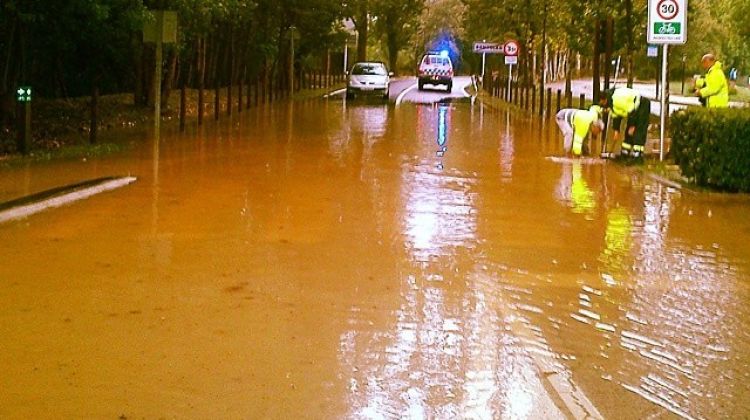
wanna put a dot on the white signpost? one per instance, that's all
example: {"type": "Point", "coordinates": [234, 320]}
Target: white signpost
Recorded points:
{"type": "Point", "coordinates": [485, 48]}
{"type": "Point", "coordinates": [667, 24]}
{"type": "Point", "coordinates": [511, 50]}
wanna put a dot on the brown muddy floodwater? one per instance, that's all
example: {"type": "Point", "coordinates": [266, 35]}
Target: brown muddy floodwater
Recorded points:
{"type": "Point", "coordinates": [324, 260]}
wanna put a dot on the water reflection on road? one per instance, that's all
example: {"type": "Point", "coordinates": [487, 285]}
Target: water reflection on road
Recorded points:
{"type": "Point", "coordinates": [332, 259]}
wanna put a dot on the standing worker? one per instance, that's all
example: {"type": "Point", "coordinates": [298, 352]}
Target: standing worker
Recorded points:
{"type": "Point", "coordinates": [628, 103]}
{"type": "Point", "coordinates": [576, 124]}
{"type": "Point", "coordinates": [716, 90]}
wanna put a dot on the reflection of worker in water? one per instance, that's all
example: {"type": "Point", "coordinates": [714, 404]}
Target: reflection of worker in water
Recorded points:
{"type": "Point", "coordinates": [576, 124]}
{"type": "Point", "coordinates": [617, 241]}
{"type": "Point", "coordinates": [573, 189]}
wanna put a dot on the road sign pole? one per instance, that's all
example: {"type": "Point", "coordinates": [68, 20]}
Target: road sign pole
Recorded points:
{"type": "Point", "coordinates": [346, 55]}
{"type": "Point", "coordinates": [664, 101]}
{"type": "Point", "coordinates": [24, 127]}
{"type": "Point", "coordinates": [510, 77]}
{"type": "Point", "coordinates": [667, 24]}
{"type": "Point", "coordinates": [162, 30]}
{"type": "Point", "coordinates": [23, 124]}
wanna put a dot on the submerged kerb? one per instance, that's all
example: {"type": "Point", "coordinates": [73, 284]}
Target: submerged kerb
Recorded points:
{"type": "Point", "coordinates": [56, 197]}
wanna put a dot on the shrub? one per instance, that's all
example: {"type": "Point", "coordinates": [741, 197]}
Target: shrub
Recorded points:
{"type": "Point", "coordinates": [712, 147]}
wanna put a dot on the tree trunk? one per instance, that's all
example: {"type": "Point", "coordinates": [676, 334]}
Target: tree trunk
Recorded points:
{"type": "Point", "coordinates": [201, 65]}
{"type": "Point", "coordinates": [543, 76]}
{"type": "Point", "coordinates": [629, 37]}
{"type": "Point", "coordinates": [230, 69]}
{"type": "Point", "coordinates": [149, 73]}
{"type": "Point", "coordinates": [7, 100]}
{"type": "Point", "coordinates": [139, 92]}
{"type": "Point", "coordinates": [609, 33]}
{"type": "Point", "coordinates": [392, 41]}
{"type": "Point", "coordinates": [569, 75]}
{"type": "Point", "coordinates": [8, 44]}
{"type": "Point", "coordinates": [94, 127]}
{"type": "Point", "coordinates": [217, 98]}
{"type": "Point", "coordinates": [596, 60]}
{"type": "Point", "coordinates": [183, 97]}
{"type": "Point", "coordinates": [169, 78]}
{"type": "Point", "coordinates": [362, 30]}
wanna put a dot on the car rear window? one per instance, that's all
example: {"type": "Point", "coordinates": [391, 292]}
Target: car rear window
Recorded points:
{"type": "Point", "coordinates": [368, 70]}
{"type": "Point", "coordinates": [436, 60]}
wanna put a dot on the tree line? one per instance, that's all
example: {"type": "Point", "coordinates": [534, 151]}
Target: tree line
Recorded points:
{"type": "Point", "coordinates": [69, 48]}
{"type": "Point", "coordinates": [561, 37]}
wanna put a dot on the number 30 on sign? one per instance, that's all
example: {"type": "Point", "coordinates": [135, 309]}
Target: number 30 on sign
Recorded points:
{"type": "Point", "coordinates": [667, 21]}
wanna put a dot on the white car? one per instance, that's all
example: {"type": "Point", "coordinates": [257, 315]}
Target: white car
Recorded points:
{"type": "Point", "coordinates": [368, 78]}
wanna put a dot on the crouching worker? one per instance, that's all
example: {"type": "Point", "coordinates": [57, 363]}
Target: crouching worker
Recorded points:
{"type": "Point", "coordinates": [628, 103]}
{"type": "Point", "coordinates": [576, 124]}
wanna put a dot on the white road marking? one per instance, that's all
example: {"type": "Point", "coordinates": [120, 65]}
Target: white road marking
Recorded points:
{"type": "Point", "coordinates": [334, 93]}
{"type": "Point", "coordinates": [29, 209]}
{"type": "Point", "coordinates": [463, 89]}
{"type": "Point", "coordinates": [568, 393]}
{"type": "Point", "coordinates": [401, 95]}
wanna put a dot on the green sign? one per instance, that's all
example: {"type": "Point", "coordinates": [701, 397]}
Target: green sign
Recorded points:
{"type": "Point", "coordinates": [23, 94]}
{"type": "Point", "coordinates": [162, 28]}
{"type": "Point", "coordinates": [667, 28]}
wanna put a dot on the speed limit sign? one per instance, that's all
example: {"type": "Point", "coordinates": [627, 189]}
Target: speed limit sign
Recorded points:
{"type": "Point", "coordinates": [667, 9]}
{"type": "Point", "coordinates": [511, 48]}
{"type": "Point", "coordinates": [667, 21]}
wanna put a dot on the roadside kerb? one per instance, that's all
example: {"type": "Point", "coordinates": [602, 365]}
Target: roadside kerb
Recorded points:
{"type": "Point", "coordinates": [27, 206]}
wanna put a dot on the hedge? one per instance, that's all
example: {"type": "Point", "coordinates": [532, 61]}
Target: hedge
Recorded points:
{"type": "Point", "coordinates": [712, 147]}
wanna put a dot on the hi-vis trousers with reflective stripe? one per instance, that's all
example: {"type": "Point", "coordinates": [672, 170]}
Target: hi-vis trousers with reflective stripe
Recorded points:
{"type": "Point", "coordinates": [564, 120]}
{"type": "Point", "coordinates": [633, 145]}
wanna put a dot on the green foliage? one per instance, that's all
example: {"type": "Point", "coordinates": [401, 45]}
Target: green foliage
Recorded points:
{"type": "Point", "coordinates": [440, 19]}
{"type": "Point", "coordinates": [712, 147]}
{"type": "Point", "coordinates": [63, 47]}
{"type": "Point", "coordinates": [396, 24]}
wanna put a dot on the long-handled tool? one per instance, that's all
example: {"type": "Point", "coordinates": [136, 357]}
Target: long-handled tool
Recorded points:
{"type": "Point", "coordinates": [605, 154]}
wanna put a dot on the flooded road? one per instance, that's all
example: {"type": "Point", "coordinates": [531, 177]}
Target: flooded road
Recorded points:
{"type": "Point", "coordinates": [326, 259]}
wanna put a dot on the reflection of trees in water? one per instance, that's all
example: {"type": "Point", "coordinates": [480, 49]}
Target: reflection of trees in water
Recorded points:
{"type": "Point", "coordinates": [363, 123]}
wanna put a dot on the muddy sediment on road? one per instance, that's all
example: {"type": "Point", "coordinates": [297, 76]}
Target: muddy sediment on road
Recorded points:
{"type": "Point", "coordinates": [325, 259]}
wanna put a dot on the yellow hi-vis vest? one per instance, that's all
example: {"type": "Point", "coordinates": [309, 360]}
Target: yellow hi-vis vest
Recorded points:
{"type": "Point", "coordinates": [581, 122]}
{"type": "Point", "coordinates": [624, 101]}
{"type": "Point", "coordinates": [716, 91]}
